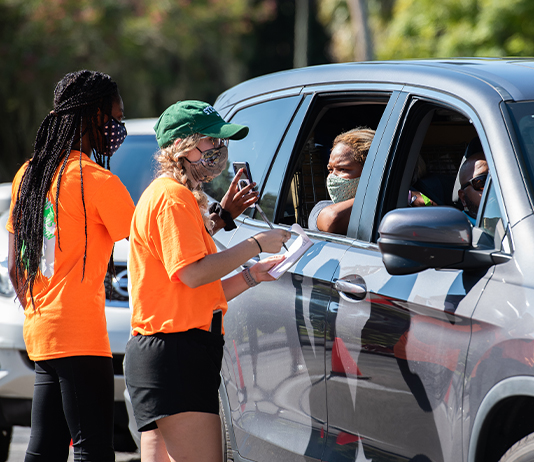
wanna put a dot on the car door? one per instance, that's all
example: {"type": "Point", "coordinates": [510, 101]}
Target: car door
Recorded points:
{"type": "Point", "coordinates": [396, 346]}
{"type": "Point", "coordinates": [273, 366]}
{"type": "Point", "coordinates": [274, 363]}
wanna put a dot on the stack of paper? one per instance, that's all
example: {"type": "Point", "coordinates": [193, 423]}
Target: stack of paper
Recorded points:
{"type": "Point", "coordinates": [293, 254]}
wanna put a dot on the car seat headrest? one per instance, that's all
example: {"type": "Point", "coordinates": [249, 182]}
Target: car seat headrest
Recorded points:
{"type": "Point", "coordinates": [473, 147]}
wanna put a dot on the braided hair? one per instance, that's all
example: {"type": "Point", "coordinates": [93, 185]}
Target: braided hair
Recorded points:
{"type": "Point", "coordinates": [78, 97]}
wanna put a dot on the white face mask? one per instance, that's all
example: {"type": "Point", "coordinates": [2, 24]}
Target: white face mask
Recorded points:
{"type": "Point", "coordinates": [341, 189]}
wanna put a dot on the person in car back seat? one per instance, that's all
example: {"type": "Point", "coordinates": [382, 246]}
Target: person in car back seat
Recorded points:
{"type": "Point", "coordinates": [345, 166]}
{"type": "Point", "coordinates": [173, 359]}
{"type": "Point", "coordinates": [416, 198]}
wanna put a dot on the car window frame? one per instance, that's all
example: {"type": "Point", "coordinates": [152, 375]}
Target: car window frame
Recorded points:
{"type": "Point", "coordinates": [260, 175]}
{"type": "Point", "coordinates": [367, 230]}
{"type": "Point", "coordinates": [299, 130]}
{"type": "Point", "coordinates": [504, 244]}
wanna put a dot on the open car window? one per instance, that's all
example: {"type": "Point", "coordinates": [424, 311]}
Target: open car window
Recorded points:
{"type": "Point", "coordinates": [304, 184]}
{"type": "Point", "coordinates": [425, 161]}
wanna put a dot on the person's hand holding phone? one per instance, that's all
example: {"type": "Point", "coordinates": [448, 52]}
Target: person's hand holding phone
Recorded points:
{"type": "Point", "coordinates": [237, 200]}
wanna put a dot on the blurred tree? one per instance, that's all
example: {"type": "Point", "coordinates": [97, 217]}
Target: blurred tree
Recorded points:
{"type": "Point", "coordinates": [300, 53]}
{"type": "Point", "coordinates": [158, 51]}
{"type": "Point", "coordinates": [426, 28]}
{"type": "Point", "coordinates": [350, 23]}
{"type": "Point", "coordinates": [271, 41]}
{"type": "Point", "coordinates": [363, 49]}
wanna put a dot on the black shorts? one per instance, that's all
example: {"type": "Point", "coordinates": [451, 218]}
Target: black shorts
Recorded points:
{"type": "Point", "coordinates": [171, 373]}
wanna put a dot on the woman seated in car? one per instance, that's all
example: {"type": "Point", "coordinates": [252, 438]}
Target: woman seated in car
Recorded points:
{"type": "Point", "coordinates": [345, 166]}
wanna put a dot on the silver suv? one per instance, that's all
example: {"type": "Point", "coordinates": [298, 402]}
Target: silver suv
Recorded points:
{"type": "Point", "coordinates": [411, 338]}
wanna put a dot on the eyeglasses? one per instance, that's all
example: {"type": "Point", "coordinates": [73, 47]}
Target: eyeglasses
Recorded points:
{"type": "Point", "coordinates": [478, 182]}
{"type": "Point", "coordinates": [217, 142]}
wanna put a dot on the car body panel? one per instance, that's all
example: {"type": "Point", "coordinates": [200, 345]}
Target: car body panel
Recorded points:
{"type": "Point", "coordinates": [5, 196]}
{"type": "Point", "coordinates": [408, 370]}
{"type": "Point", "coordinates": [416, 367]}
{"type": "Point", "coordinates": [454, 76]}
{"type": "Point", "coordinates": [280, 362]}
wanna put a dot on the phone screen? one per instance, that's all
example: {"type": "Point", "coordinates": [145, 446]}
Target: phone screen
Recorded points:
{"type": "Point", "coordinates": [245, 179]}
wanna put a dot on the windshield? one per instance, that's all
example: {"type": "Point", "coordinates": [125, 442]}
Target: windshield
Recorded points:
{"type": "Point", "coordinates": [134, 163]}
{"type": "Point", "coordinates": [523, 118]}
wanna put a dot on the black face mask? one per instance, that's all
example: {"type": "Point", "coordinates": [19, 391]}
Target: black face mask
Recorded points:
{"type": "Point", "coordinates": [114, 134]}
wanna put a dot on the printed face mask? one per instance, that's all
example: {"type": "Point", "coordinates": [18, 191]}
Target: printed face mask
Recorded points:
{"type": "Point", "coordinates": [341, 189]}
{"type": "Point", "coordinates": [115, 133]}
{"type": "Point", "coordinates": [210, 165]}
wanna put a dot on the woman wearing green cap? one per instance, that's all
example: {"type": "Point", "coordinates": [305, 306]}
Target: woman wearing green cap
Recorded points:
{"type": "Point", "coordinates": [173, 359]}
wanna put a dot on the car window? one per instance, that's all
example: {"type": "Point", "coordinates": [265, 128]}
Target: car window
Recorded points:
{"type": "Point", "coordinates": [329, 116]}
{"type": "Point", "coordinates": [267, 123]}
{"type": "Point", "coordinates": [134, 163]}
{"type": "Point", "coordinates": [430, 145]}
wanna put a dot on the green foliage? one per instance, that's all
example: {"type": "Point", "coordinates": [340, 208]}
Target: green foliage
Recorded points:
{"type": "Point", "coordinates": [426, 28]}
{"type": "Point", "coordinates": [158, 51]}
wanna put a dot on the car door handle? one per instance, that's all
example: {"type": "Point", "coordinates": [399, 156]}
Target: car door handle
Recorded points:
{"type": "Point", "coordinates": [351, 288]}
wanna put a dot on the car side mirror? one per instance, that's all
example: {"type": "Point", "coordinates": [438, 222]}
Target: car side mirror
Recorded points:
{"type": "Point", "coordinates": [414, 239]}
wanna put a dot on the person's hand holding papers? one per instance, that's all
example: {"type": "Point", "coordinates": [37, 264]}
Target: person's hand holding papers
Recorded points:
{"type": "Point", "coordinates": [297, 249]}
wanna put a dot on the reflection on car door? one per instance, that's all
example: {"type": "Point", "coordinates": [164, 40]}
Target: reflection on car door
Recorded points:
{"type": "Point", "coordinates": [274, 357]}
{"type": "Point", "coordinates": [395, 360]}
{"type": "Point", "coordinates": [396, 350]}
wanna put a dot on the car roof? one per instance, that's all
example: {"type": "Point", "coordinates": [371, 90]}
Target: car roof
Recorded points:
{"type": "Point", "coordinates": [510, 79]}
{"type": "Point", "coordinates": [140, 126]}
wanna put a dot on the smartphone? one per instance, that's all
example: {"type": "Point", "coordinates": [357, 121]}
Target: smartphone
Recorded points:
{"type": "Point", "coordinates": [245, 180]}
{"type": "Point", "coordinates": [246, 176]}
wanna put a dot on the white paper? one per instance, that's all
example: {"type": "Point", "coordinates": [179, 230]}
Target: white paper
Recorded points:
{"type": "Point", "coordinates": [293, 254]}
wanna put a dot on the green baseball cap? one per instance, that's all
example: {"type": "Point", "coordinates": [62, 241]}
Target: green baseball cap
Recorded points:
{"type": "Point", "coordinates": [185, 118]}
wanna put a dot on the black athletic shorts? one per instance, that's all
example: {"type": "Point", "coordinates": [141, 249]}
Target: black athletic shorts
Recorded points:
{"type": "Point", "coordinates": [171, 373]}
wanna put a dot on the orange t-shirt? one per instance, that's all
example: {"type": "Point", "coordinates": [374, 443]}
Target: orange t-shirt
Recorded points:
{"type": "Point", "coordinates": [69, 316]}
{"type": "Point", "coordinates": [168, 234]}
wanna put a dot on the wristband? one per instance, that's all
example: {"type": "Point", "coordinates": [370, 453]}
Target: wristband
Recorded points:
{"type": "Point", "coordinates": [257, 242]}
{"type": "Point", "coordinates": [249, 279]}
{"type": "Point", "coordinates": [426, 199]}
{"type": "Point", "coordinates": [225, 216]}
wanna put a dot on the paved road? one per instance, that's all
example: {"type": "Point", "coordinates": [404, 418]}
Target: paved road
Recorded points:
{"type": "Point", "coordinates": [20, 442]}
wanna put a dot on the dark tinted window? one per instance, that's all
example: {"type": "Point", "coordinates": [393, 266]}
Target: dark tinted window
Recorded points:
{"type": "Point", "coordinates": [267, 123]}
{"type": "Point", "coordinates": [134, 163]}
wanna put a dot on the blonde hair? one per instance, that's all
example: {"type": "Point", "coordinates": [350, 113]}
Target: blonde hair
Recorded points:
{"type": "Point", "coordinates": [171, 163]}
{"type": "Point", "coordinates": [358, 140]}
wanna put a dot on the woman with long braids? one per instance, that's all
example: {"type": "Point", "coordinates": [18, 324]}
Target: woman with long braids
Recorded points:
{"type": "Point", "coordinates": [66, 213]}
{"type": "Point", "coordinates": [173, 360]}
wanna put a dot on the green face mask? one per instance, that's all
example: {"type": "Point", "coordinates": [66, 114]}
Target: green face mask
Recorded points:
{"type": "Point", "coordinates": [341, 189]}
